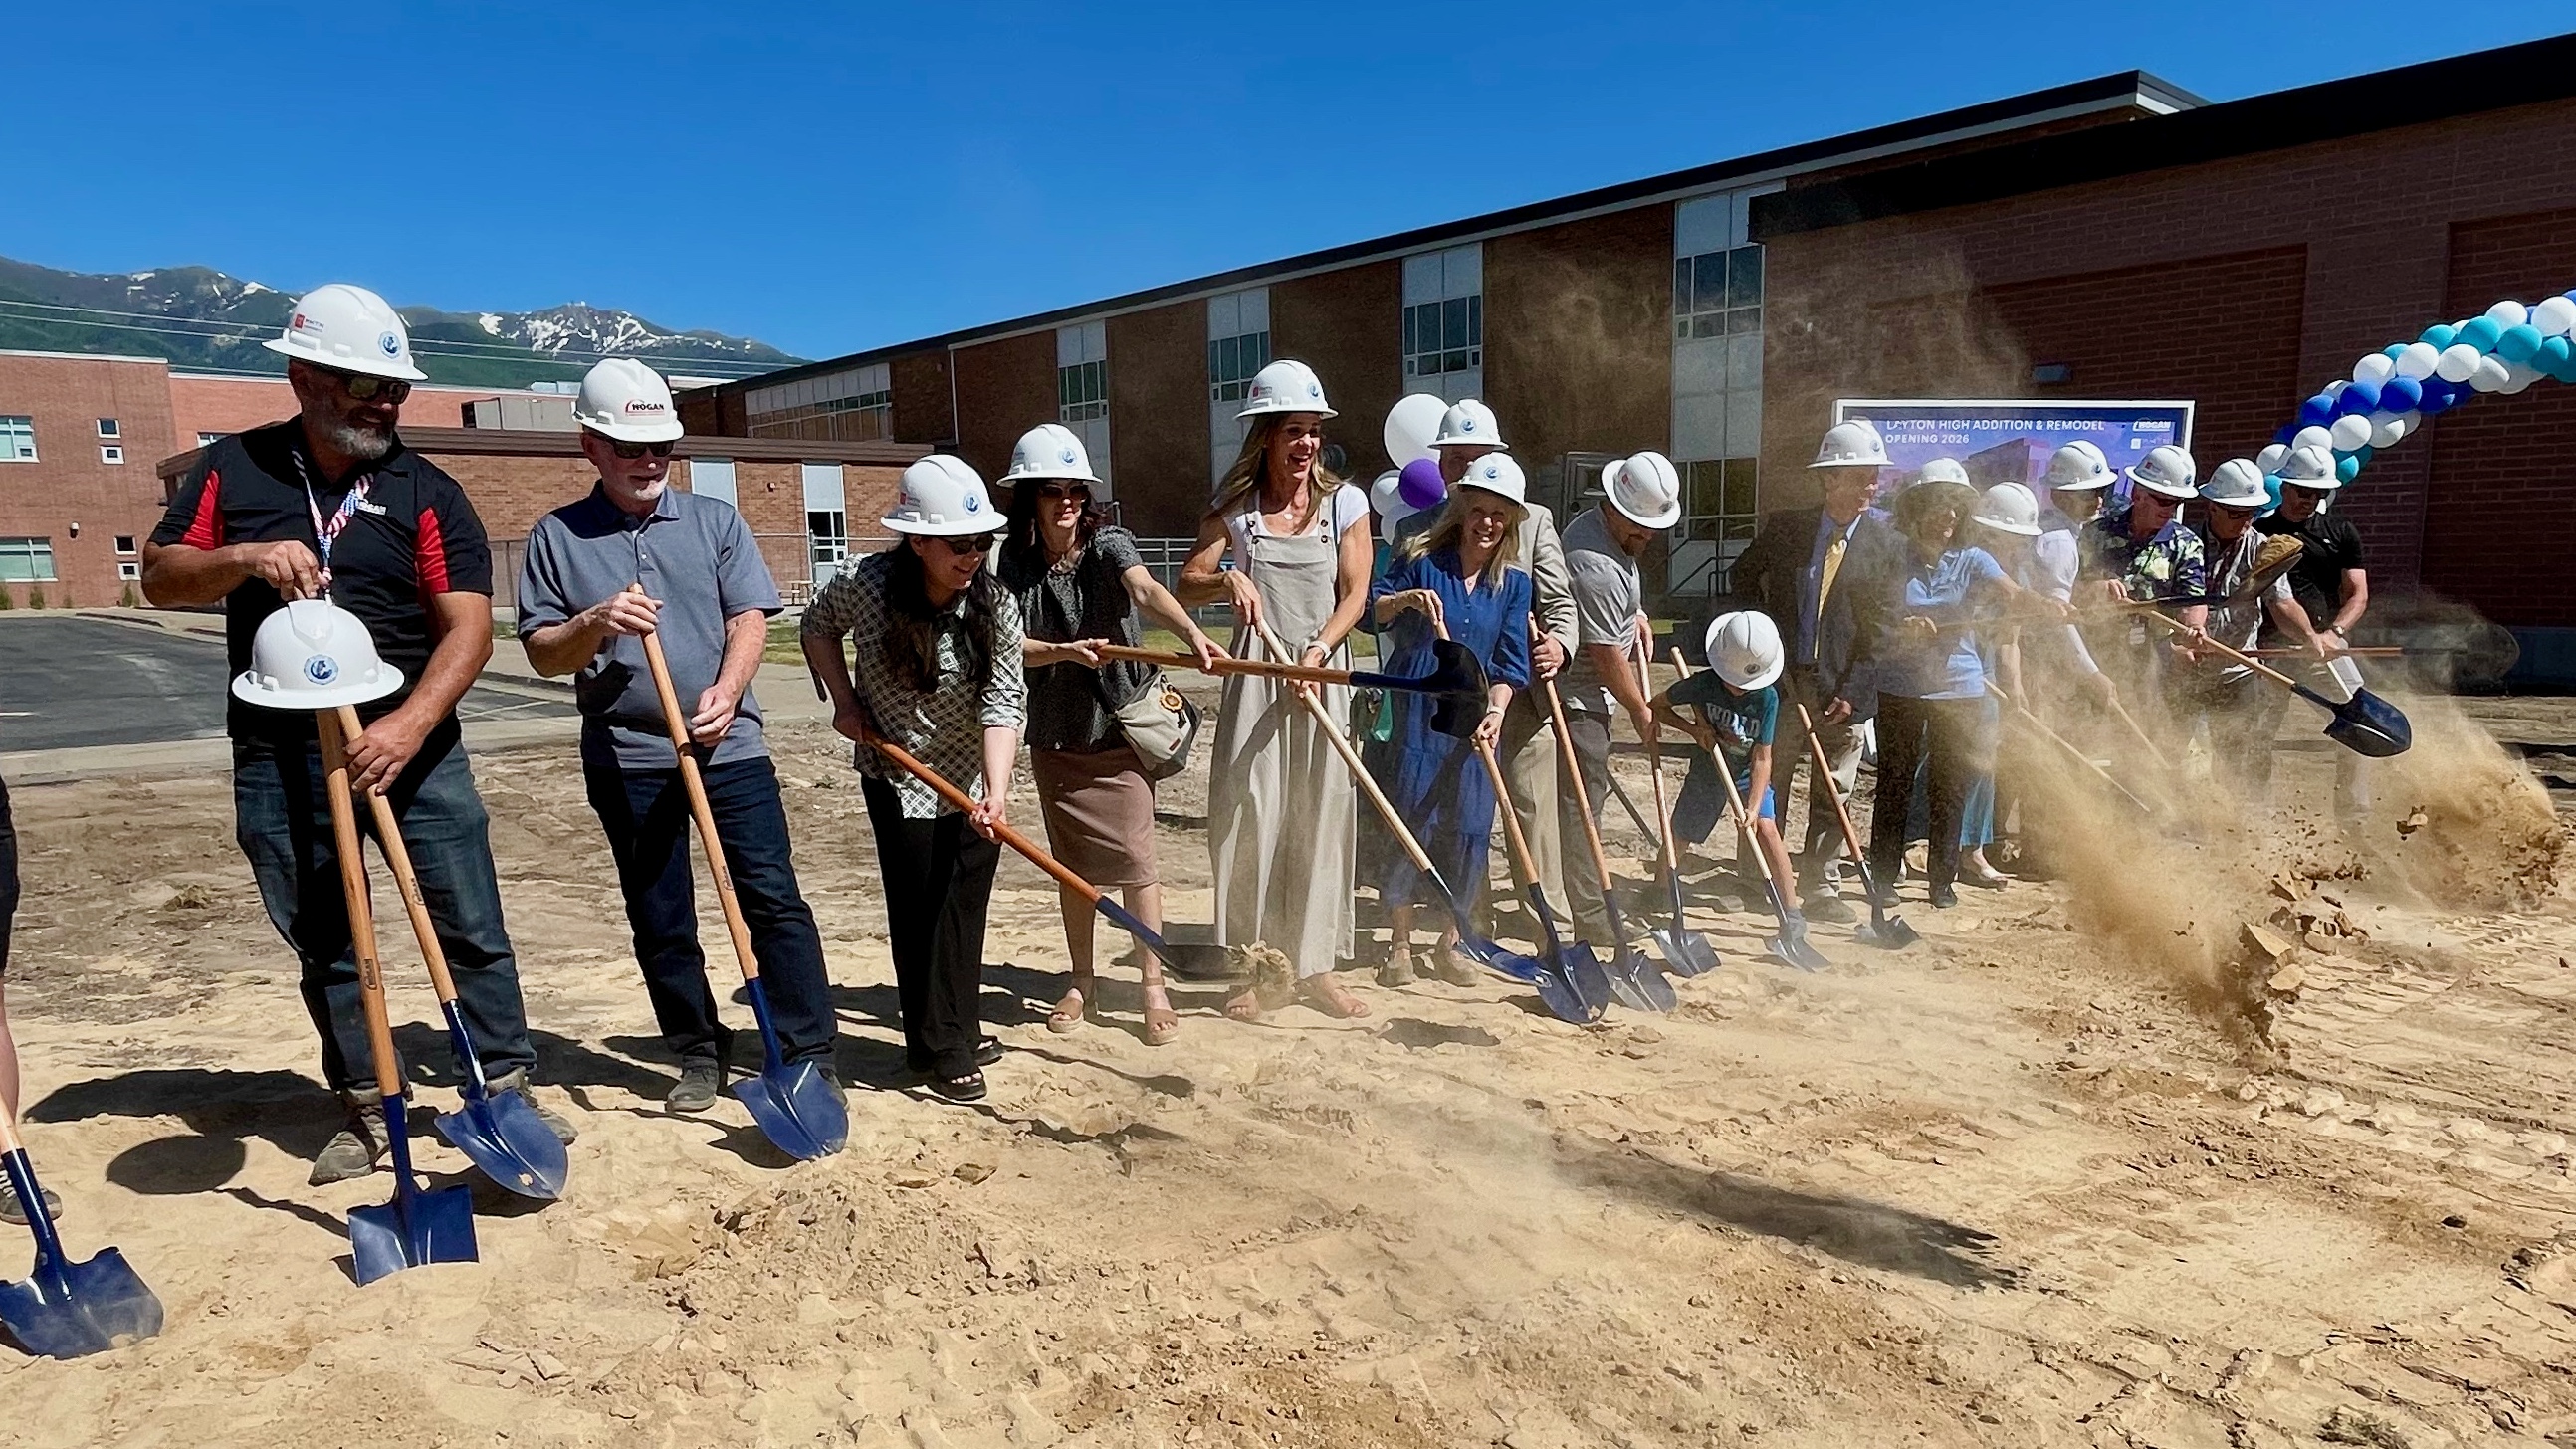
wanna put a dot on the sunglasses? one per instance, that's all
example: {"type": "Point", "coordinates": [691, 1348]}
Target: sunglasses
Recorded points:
{"type": "Point", "coordinates": [973, 545]}
{"type": "Point", "coordinates": [360, 387]}
{"type": "Point", "coordinates": [632, 451]}
{"type": "Point", "coordinates": [1065, 490]}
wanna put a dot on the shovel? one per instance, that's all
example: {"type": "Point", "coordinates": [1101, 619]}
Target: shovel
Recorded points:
{"type": "Point", "coordinates": [1552, 988]}
{"type": "Point", "coordinates": [416, 1228]}
{"type": "Point", "coordinates": [795, 1105]}
{"type": "Point", "coordinates": [1587, 985]}
{"type": "Point", "coordinates": [499, 1134]}
{"type": "Point", "coordinates": [2031, 722]}
{"type": "Point", "coordinates": [1457, 679]}
{"type": "Point", "coordinates": [2364, 724]}
{"type": "Point", "coordinates": [65, 1309]}
{"type": "Point", "coordinates": [1790, 947]}
{"type": "Point", "coordinates": [1883, 930]}
{"type": "Point", "coordinates": [1193, 962]}
{"type": "Point", "coordinates": [1633, 979]}
{"type": "Point", "coordinates": [1685, 950]}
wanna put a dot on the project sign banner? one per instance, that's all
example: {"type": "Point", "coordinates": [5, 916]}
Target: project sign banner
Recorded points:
{"type": "Point", "coordinates": [2010, 440]}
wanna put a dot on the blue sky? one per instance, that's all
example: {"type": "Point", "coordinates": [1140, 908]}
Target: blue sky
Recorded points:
{"type": "Point", "coordinates": [833, 177]}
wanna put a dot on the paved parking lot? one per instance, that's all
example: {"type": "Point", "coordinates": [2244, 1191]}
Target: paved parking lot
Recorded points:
{"type": "Point", "coordinates": [68, 682]}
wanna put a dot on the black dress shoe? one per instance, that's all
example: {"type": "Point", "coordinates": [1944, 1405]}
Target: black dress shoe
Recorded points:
{"type": "Point", "coordinates": [1943, 896]}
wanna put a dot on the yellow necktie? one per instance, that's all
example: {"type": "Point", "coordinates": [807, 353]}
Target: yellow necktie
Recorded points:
{"type": "Point", "coordinates": [1833, 566]}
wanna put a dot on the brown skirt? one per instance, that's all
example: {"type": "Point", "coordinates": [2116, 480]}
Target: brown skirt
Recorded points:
{"type": "Point", "coordinates": [1099, 814]}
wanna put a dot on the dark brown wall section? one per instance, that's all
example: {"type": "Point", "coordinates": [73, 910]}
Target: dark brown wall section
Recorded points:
{"type": "Point", "coordinates": [1004, 389]}
{"type": "Point", "coordinates": [1578, 336]}
{"type": "Point", "coordinates": [923, 410]}
{"type": "Point", "coordinates": [1349, 327]}
{"type": "Point", "coordinates": [1158, 418]}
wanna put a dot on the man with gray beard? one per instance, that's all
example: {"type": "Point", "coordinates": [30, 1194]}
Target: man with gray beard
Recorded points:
{"type": "Point", "coordinates": [330, 503]}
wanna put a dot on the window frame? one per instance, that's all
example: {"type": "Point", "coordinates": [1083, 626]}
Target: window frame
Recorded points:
{"type": "Point", "coordinates": [112, 454]}
{"type": "Point", "coordinates": [15, 427]}
{"type": "Point", "coordinates": [110, 428]}
{"type": "Point", "coordinates": [31, 550]}
{"type": "Point", "coordinates": [1082, 391]}
{"type": "Point", "coordinates": [1232, 381]}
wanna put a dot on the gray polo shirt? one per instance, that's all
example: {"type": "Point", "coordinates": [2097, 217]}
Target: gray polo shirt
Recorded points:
{"type": "Point", "coordinates": [1609, 594]}
{"type": "Point", "coordinates": [694, 554]}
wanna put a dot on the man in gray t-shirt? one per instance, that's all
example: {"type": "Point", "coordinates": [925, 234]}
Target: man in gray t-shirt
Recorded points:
{"type": "Point", "coordinates": [707, 596]}
{"type": "Point", "coordinates": [1641, 497]}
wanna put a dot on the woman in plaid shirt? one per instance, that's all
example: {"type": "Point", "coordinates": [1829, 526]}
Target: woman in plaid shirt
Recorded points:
{"type": "Point", "coordinates": [938, 673]}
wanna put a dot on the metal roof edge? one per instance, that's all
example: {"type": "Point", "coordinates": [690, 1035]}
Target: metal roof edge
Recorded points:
{"type": "Point", "coordinates": [2027, 108]}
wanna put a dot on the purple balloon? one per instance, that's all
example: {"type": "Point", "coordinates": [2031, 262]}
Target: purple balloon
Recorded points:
{"type": "Point", "coordinates": [1419, 484]}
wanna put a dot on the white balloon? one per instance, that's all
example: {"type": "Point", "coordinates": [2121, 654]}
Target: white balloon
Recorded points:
{"type": "Point", "coordinates": [2272, 456]}
{"type": "Point", "coordinates": [2374, 368]}
{"type": "Point", "coordinates": [1388, 502]}
{"type": "Point", "coordinates": [2313, 438]}
{"type": "Point", "coordinates": [2350, 431]}
{"type": "Point", "coordinates": [2555, 317]}
{"type": "Point", "coordinates": [2517, 377]}
{"type": "Point", "coordinates": [2385, 433]}
{"type": "Point", "coordinates": [2336, 387]}
{"type": "Point", "coordinates": [2509, 314]}
{"type": "Point", "coordinates": [2419, 358]}
{"type": "Point", "coordinates": [2459, 362]}
{"type": "Point", "coordinates": [2491, 375]}
{"type": "Point", "coordinates": [1411, 425]}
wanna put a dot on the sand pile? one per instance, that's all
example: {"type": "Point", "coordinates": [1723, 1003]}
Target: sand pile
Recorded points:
{"type": "Point", "coordinates": [2474, 828]}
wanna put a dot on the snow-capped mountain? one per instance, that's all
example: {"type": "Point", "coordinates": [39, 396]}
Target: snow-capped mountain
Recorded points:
{"type": "Point", "coordinates": [201, 318]}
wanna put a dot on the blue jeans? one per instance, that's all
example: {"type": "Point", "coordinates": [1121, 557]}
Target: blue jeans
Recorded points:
{"type": "Point", "coordinates": [646, 815]}
{"type": "Point", "coordinates": [282, 818]}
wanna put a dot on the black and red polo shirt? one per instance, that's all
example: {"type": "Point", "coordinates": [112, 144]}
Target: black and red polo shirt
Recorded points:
{"type": "Point", "coordinates": [411, 539]}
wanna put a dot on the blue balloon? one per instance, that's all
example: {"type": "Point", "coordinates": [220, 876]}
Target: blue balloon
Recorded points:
{"type": "Point", "coordinates": [2393, 351]}
{"type": "Point", "coordinates": [2347, 469]}
{"type": "Point", "coordinates": [2556, 357]}
{"type": "Point", "coordinates": [2439, 335]}
{"type": "Point", "coordinates": [2518, 343]}
{"type": "Point", "coordinates": [2287, 432]}
{"type": "Point", "coordinates": [2481, 333]}
{"type": "Point", "coordinates": [2364, 454]}
{"type": "Point", "coordinates": [2400, 394]}
{"type": "Point", "coordinates": [2316, 412]}
{"type": "Point", "coordinates": [2361, 397]}
{"type": "Point", "coordinates": [2272, 490]}
{"type": "Point", "coordinates": [2438, 398]}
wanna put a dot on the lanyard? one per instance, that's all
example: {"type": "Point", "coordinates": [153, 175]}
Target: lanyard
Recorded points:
{"type": "Point", "coordinates": [327, 534]}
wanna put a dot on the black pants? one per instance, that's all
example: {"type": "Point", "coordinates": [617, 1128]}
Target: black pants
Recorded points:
{"type": "Point", "coordinates": [938, 878]}
{"type": "Point", "coordinates": [646, 815]}
{"type": "Point", "coordinates": [8, 876]}
{"type": "Point", "coordinates": [1908, 730]}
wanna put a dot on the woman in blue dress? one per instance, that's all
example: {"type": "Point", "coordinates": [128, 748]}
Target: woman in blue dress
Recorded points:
{"type": "Point", "coordinates": [1454, 580]}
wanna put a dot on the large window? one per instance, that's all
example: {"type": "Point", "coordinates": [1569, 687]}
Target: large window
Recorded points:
{"type": "Point", "coordinates": [1082, 392]}
{"type": "Point", "coordinates": [1444, 322]}
{"type": "Point", "coordinates": [1717, 386]}
{"type": "Point", "coordinates": [713, 478]}
{"type": "Point", "coordinates": [17, 439]}
{"type": "Point", "coordinates": [1717, 502]}
{"type": "Point", "coordinates": [1716, 294]}
{"type": "Point", "coordinates": [856, 406]}
{"type": "Point", "coordinates": [26, 560]}
{"type": "Point", "coordinates": [1232, 361]}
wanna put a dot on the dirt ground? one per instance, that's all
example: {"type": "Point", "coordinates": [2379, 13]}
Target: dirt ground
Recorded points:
{"type": "Point", "coordinates": [2065, 1174]}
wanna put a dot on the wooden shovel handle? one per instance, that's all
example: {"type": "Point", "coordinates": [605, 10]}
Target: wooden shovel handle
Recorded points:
{"type": "Point", "coordinates": [1832, 788]}
{"type": "Point", "coordinates": [1228, 665]}
{"type": "Point", "coordinates": [708, 840]}
{"type": "Point", "coordinates": [1655, 759]}
{"type": "Point", "coordinates": [406, 882]}
{"type": "Point", "coordinates": [1413, 850]}
{"type": "Point", "coordinates": [2249, 661]}
{"type": "Point", "coordinates": [1574, 777]}
{"type": "Point", "coordinates": [904, 761]}
{"type": "Point", "coordinates": [362, 916]}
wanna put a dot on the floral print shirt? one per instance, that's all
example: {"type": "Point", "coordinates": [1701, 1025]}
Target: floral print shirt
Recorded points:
{"type": "Point", "coordinates": [2170, 565]}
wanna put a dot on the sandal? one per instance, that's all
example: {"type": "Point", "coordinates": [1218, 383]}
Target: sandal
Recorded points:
{"type": "Point", "coordinates": [968, 1088]}
{"type": "Point", "coordinates": [1244, 1007]}
{"type": "Point", "coordinates": [1328, 995]}
{"type": "Point", "coordinates": [1080, 1004]}
{"type": "Point", "coordinates": [1162, 1023]}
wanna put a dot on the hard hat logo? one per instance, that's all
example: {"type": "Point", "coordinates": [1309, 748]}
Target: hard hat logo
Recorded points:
{"type": "Point", "coordinates": [389, 344]}
{"type": "Point", "coordinates": [1064, 456]}
{"type": "Point", "coordinates": [320, 669]}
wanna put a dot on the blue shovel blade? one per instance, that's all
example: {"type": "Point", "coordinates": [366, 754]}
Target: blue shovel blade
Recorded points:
{"type": "Point", "coordinates": [2367, 725]}
{"type": "Point", "coordinates": [502, 1135]}
{"type": "Point", "coordinates": [1583, 970]}
{"type": "Point", "coordinates": [415, 1229]}
{"type": "Point", "coordinates": [67, 1310]}
{"type": "Point", "coordinates": [797, 1110]}
{"type": "Point", "coordinates": [1654, 990]}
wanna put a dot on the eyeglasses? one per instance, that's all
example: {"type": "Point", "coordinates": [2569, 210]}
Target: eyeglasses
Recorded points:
{"type": "Point", "coordinates": [361, 387]}
{"type": "Point", "coordinates": [632, 451]}
{"type": "Point", "coordinates": [970, 546]}
{"type": "Point", "coordinates": [1065, 490]}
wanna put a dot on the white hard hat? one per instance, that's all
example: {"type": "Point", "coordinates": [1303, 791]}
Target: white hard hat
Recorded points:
{"type": "Point", "coordinates": [1854, 444]}
{"type": "Point", "coordinates": [2309, 468]}
{"type": "Point", "coordinates": [1286, 386]}
{"type": "Point", "coordinates": [623, 399]}
{"type": "Point", "coordinates": [2166, 472]}
{"type": "Point", "coordinates": [1744, 648]}
{"type": "Point", "coordinates": [1497, 473]}
{"type": "Point", "coordinates": [2078, 465]}
{"type": "Point", "coordinates": [1943, 470]}
{"type": "Point", "coordinates": [1386, 496]}
{"type": "Point", "coordinates": [2010, 508]}
{"type": "Point", "coordinates": [347, 329]}
{"type": "Point", "coordinates": [313, 654]}
{"type": "Point", "coordinates": [1645, 487]}
{"type": "Point", "coordinates": [1050, 450]}
{"type": "Point", "coordinates": [941, 497]}
{"type": "Point", "coordinates": [1469, 424]}
{"type": "Point", "coordinates": [2237, 483]}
